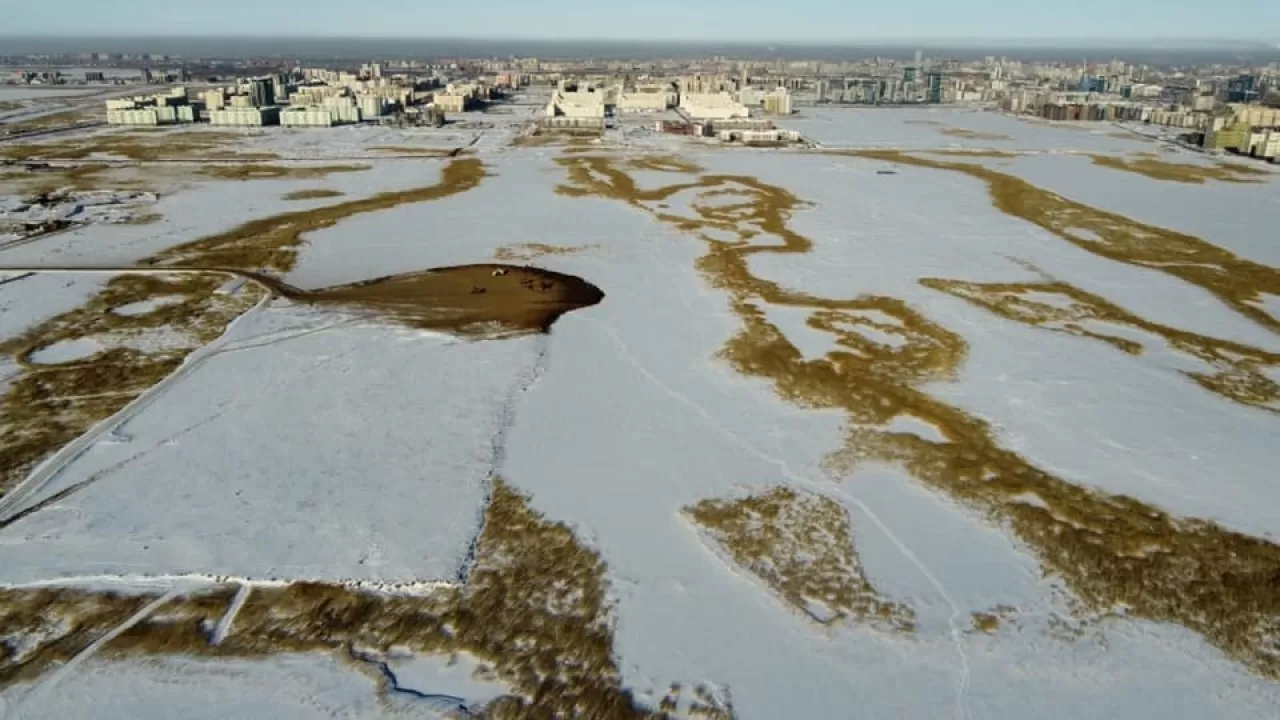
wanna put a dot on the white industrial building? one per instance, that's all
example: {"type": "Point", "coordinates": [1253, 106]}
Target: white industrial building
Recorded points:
{"type": "Point", "coordinates": [576, 104]}
{"type": "Point", "coordinates": [646, 99]}
{"type": "Point", "coordinates": [712, 106]}
{"type": "Point", "coordinates": [245, 116]}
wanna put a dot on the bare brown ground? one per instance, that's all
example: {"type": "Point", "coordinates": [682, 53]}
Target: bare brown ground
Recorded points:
{"type": "Point", "coordinates": [313, 194]}
{"type": "Point", "coordinates": [47, 407]}
{"type": "Point", "coordinates": [972, 134]}
{"type": "Point", "coordinates": [272, 172]}
{"type": "Point", "coordinates": [534, 608]}
{"type": "Point", "coordinates": [1238, 375]}
{"type": "Point", "coordinates": [1181, 172]}
{"type": "Point", "coordinates": [801, 545]}
{"type": "Point", "coordinates": [1111, 551]}
{"type": "Point", "coordinates": [525, 252]}
{"type": "Point", "coordinates": [1236, 281]}
{"type": "Point", "coordinates": [481, 300]}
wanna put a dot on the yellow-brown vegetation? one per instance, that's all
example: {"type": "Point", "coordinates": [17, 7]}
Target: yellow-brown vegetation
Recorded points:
{"type": "Point", "coordinates": [1182, 172]}
{"type": "Point", "coordinates": [800, 544]}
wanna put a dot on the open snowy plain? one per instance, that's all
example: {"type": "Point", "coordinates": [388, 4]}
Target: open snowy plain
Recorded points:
{"type": "Point", "coordinates": [954, 415]}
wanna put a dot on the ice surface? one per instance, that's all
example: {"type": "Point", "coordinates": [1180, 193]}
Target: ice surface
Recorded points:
{"type": "Point", "coordinates": [65, 351]}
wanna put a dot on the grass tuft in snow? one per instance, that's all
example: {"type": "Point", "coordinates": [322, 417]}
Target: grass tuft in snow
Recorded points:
{"type": "Point", "coordinates": [800, 544]}
{"type": "Point", "coordinates": [525, 252]}
{"type": "Point", "coordinates": [255, 171]}
{"type": "Point", "coordinates": [972, 134]}
{"type": "Point", "coordinates": [312, 194]}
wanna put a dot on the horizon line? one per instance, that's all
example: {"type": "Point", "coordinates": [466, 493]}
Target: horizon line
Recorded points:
{"type": "Point", "coordinates": [1043, 41]}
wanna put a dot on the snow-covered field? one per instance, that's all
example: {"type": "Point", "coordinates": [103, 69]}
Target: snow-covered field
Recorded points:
{"type": "Point", "coordinates": [310, 445]}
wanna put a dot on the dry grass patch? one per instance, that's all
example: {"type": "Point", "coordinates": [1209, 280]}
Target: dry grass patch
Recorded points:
{"type": "Point", "coordinates": [525, 252]}
{"type": "Point", "coordinates": [312, 194]}
{"type": "Point", "coordinates": [142, 147]}
{"type": "Point", "coordinates": [416, 150]}
{"type": "Point", "coordinates": [1236, 281]}
{"type": "Point", "coordinates": [1239, 370]}
{"type": "Point", "coordinates": [972, 134]}
{"type": "Point", "coordinates": [1111, 551]}
{"type": "Point", "coordinates": [255, 171]}
{"type": "Point", "coordinates": [1180, 172]}
{"type": "Point", "coordinates": [534, 608]}
{"type": "Point", "coordinates": [801, 545]}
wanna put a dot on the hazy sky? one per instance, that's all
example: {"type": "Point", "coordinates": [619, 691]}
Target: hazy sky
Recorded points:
{"type": "Point", "coordinates": [724, 20]}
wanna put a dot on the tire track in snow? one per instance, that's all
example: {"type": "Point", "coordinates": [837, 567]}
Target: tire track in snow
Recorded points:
{"type": "Point", "coordinates": [962, 711]}
{"type": "Point", "coordinates": [39, 691]}
{"type": "Point", "coordinates": [223, 627]}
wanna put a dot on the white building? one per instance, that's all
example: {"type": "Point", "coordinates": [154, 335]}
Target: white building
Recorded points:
{"type": "Point", "coordinates": [778, 102]}
{"type": "Point", "coordinates": [371, 106]}
{"type": "Point", "coordinates": [646, 100]}
{"type": "Point", "coordinates": [712, 106]}
{"type": "Point", "coordinates": [579, 104]}
{"type": "Point", "coordinates": [245, 116]}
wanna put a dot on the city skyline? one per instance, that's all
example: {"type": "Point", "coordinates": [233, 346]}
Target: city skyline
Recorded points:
{"type": "Point", "coordinates": [747, 21]}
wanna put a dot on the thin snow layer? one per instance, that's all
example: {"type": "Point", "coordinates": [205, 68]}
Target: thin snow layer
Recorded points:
{"type": "Point", "coordinates": [66, 351]}
{"type": "Point", "coordinates": [301, 686]}
{"type": "Point", "coordinates": [38, 93]}
{"type": "Point", "coordinates": [863, 127]}
{"type": "Point", "coordinates": [145, 307]}
{"type": "Point", "coordinates": [1240, 217]}
{"type": "Point", "coordinates": [213, 207]}
{"type": "Point", "coordinates": [1076, 406]}
{"type": "Point", "coordinates": [27, 300]}
{"type": "Point", "coordinates": [303, 446]}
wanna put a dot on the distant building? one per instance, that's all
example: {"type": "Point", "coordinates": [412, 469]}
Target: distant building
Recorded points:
{"type": "Point", "coordinates": [262, 92]}
{"type": "Point", "coordinates": [245, 116]}
{"type": "Point", "coordinates": [712, 106]}
{"type": "Point", "coordinates": [778, 102]}
{"type": "Point", "coordinates": [935, 88]}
